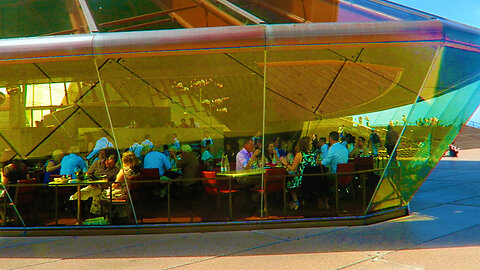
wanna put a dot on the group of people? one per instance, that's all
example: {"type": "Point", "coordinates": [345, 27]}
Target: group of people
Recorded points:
{"type": "Point", "coordinates": [313, 152]}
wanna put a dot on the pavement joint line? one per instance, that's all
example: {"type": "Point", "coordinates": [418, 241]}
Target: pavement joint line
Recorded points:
{"type": "Point", "coordinates": [100, 252]}
{"type": "Point", "coordinates": [32, 243]}
{"type": "Point", "coordinates": [381, 256]}
{"type": "Point", "coordinates": [399, 264]}
{"type": "Point", "coordinates": [446, 203]}
{"type": "Point", "coordinates": [285, 240]}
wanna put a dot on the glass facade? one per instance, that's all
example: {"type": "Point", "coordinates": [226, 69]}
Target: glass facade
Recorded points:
{"type": "Point", "coordinates": [189, 103]}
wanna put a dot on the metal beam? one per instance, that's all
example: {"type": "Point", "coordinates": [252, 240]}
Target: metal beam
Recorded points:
{"type": "Point", "coordinates": [88, 16]}
{"type": "Point", "coordinates": [241, 12]}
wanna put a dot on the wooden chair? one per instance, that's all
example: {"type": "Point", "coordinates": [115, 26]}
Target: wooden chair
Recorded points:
{"type": "Point", "coordinates": [273, 182]}
{"type": "Point", "coordinates": [133, 187]}
{"type": "Point", "coordinates": [24, 196]}
{"type": "Point", "coordinates": [217, 188]}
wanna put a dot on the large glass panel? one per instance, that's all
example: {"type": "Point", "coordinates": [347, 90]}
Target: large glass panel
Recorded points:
{"type": "Point", "coordinates": [348, 91]}
{"type": "Point", "coordinates": [199, 103]}
{"type": "Point", "coordinates": [301, 11]}
{"type": "Point", "coordinates": [444, 105]}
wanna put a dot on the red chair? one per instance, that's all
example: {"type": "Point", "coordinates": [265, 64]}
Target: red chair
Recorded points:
{"type": "Point", "coordinates": [217, 188]}
{"type": "Point", "coordinates": [150, 173]}
{"type": "Point", "coordinates": [363, 163]}
{"type": "Point", "coordinates": [273, 182]}
{"type": "Point", "coordinates": [344, 182]}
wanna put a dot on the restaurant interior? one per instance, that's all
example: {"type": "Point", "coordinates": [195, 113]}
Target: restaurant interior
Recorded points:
{"type": "Point", "coordinates": [226, 72]}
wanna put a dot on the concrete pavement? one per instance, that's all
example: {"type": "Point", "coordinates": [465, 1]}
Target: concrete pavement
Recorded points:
{"type": "Point", "coordinates": [443, 232]}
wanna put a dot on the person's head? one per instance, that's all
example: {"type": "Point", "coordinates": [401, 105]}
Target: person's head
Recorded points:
{"type": "Point", "coordinates": [111, 161]}
{"type": "Point", "coordinates": [249, 145]}
{"type": "Point", "coordinates": [322, 141]}
{"type": "Point", "coordinates": [130, 159]}
{"type": "Point", "coordinates": [57, 156]}
{"type": "Point", "coordinates": [361, 141]}
{"type": "Point", "coordinates": [174, 135]}
{"type": "Point", "coordinates": [146, 149]}
{"type": "Point", "coordinates": [183, 121]}
{"type": "Point", "coordinates": [101, 154]}
{"type": "Point", "coordinates": [276, 142]}
{"type": "Point", "coordinates": [186, 148]}
{"type": "Point", "coordinates": [74, 149]}
{"type": "Point", "coordinates": [305, 144]}
{"type": "Point", "coordinates": [192, 121]}
{"type": "Point", "coordinates": [350, 138]}
{"type": "Point", "coordinates": [271, 148]}
{"type": "Point", "coordinates": [333, 137]}
{"type": "Point", "coordinates": [172, 150]}
{"type": "Point", "coordinates": [228, 147]}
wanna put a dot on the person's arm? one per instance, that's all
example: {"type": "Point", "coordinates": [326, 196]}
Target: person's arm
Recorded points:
{"type": "Point", "coordinates": [52, 167]}
{"type": "Point", "coordinates": [296, 161]}
{"type": "Point", "coordinates": [167, 163]}
{"type": "Point", "coordinates": [119, 179]}
{"type": "Point", "coordinates": [251, 161]}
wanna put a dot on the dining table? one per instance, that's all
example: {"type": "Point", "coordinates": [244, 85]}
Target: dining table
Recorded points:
{"type": "Point", "coordinates": [73, 183]}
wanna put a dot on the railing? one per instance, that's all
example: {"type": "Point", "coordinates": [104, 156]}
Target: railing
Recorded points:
{"type": "Point", "coordinates": [360, 179]}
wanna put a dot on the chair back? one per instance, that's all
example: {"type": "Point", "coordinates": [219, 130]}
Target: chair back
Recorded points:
{"type": "Point", "coordinates": [150, 173]}
{"type": "Point", "coordinates": [25, 194]}
{"type": "Point", "coordinates": [210, 182]}
{"type": "Point", "coordinates": [344, 180]}
{"type": "Point", "coordinates": [274, 180]}
{"type": "Point", "coordinates": [363, 163]}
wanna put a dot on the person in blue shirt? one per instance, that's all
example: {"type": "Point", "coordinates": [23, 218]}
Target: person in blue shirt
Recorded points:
{"type": "Point", "coordinates": [323, 147]}
{"type": "Point", "coordinates": [101, 143]}
{"type": "Point", "coordinates": [72, 163]}
{"type": "Point", "coordinates": [155, 159]}
{"type": "Point", "coordinates": [176, 142]}
{"type": "Point", "coordinates": [337, 153]}
{"type": "Point", "coordinates": [206, 139]}
{"type": "Point", "coordinates": [136, 148]}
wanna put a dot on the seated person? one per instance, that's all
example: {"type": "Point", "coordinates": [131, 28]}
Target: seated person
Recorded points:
{"type": "Point", "coordinates": [247, 157]}
{"type": "Point", "coordinates": [172, 156]}
{"type": "Point", "coordinates": [302, 159]}
{"type": "Point", "coordinates": [101, 143]}
{"type": "Point", "coordinates": [206, 139]}
{"type": "Point", "coordinates": [361, 149]}
{"type": "Point", "coordinates": [271, 158]}
{"type": "Point", "coordinates": [155, 159]}
{"type": "Point", "coordinates": [206, 153]}
{"type": "Point", "coordinates": [105, 166]}
{"type": "Point", "coordinates": [189, 164]}
{"type": "Point", "coordinates": [131, 168]}
{"type": "Point", "coordinates": [453, 150]}
{"type": "Point", "coordinates": [53, 165]}
{"type": "Point", "coordinates": [12, 171]}
{"type": "Point", "coordinates": [337, 153]}
{"type": "Point", "coordinates": [72, 163]}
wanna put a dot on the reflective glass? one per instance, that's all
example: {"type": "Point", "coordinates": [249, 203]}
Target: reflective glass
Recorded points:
{"type": "Point", "coordinates": [33, 18]}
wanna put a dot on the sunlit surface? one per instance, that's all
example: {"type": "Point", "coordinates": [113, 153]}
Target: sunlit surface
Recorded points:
{"type": "Point", "coordinates": [224, 72]}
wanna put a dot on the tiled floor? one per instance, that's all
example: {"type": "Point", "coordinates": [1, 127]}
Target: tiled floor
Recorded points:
{"type": "Point", "coordinates": [443, 232]}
